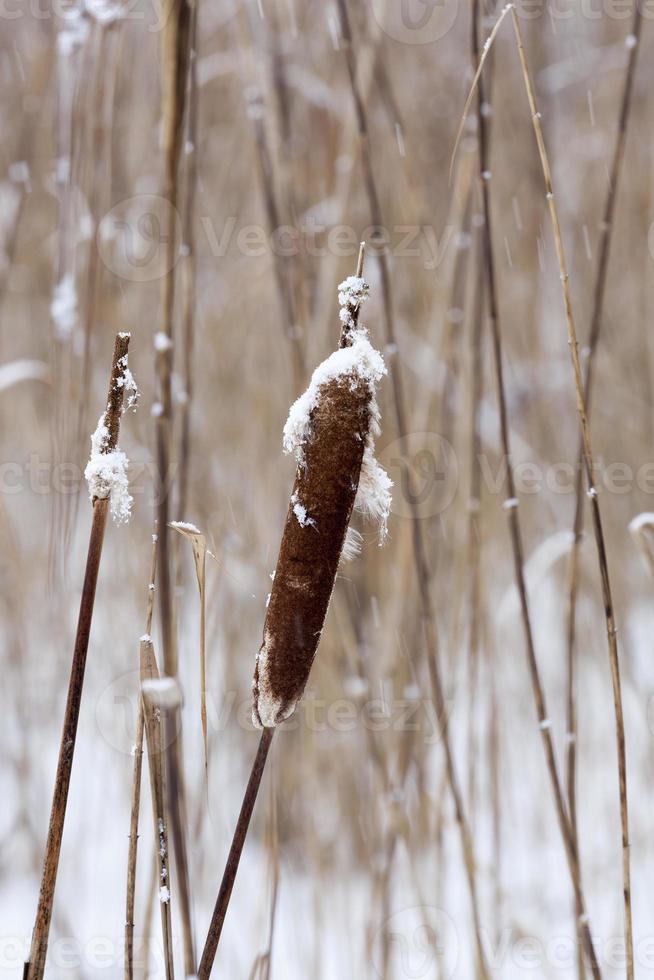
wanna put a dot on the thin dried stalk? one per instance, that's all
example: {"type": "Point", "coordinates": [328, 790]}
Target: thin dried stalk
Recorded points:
{"type": "Point", "coordinates": [35, 966]}
{"type": "Point", "coordinates": [511, 506]}
{"type": "Point", "coordinates": [199, 548]}
{"type": "Point", "coordinates": [283, 272]}
{"type": "Point", "coordinates": [598, 529]}
{"type": "Point", "coordinates": [188, 270]}
{"type": "Point", "coordinates": [605, 238]}
{"type": "Point", "coordinates": [156, 735]}
{"type": "Point", "coordinates": [136, 791]}
{"type": "Point", "coordinates": [175, 54]}
{"type": "Point", "coordinates": [419, 551]}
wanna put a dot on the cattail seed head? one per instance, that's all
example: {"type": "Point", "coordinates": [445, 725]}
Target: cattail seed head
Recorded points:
{"type": "Point", "coordinates": [331, 430]}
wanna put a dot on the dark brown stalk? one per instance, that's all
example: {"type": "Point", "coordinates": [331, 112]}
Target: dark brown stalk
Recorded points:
{"type": "Point", "coordinates": [605, 237]}
{"type": "Point", "coordinates": [598, 530]}
{"type": "Point", "coordinates": [419, 551]}
{"type": "Point", "coordinates": [35, 967]}
{"type": "Point", "coordinates": [175, 55]}
{"type": "Point", "coordinates": [235, 851]}
{"type": "Point", "coordinates": [136, 791]}
{"type": "Point", "coordinates": [515, 530]}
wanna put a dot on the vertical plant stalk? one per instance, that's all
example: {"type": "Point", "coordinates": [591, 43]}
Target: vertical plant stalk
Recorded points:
{"type": "Point", "coordinates": [419, 552]}
{"type": "Point", "coordinates": [136, 789]}
{"type": "Point", "coordinates": [598, 530]}
{"type": "Point", "coordinates": [156, 734]}
{"type": "Point", "coordinates": [188, 270]}
{"type": "Point", "coordinates": [234, 857]}
{"type": "Point", "coordinates": [511, 506]}
{"type": "Point", "coordinates": [35, 966]}
{"type": "Point", "coordinates": [605, 237]}
{"type": "Point", "coordinates": [175, 56]}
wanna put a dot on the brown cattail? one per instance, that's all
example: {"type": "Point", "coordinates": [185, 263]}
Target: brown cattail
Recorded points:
{"type": "Point", "coordinates": [331, 430]}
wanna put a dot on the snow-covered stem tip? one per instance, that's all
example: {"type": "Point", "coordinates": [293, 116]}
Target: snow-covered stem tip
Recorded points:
{"type": "Point", "coordinates": [106, 470]}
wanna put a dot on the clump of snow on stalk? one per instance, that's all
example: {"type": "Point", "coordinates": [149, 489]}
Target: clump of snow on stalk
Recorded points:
{"type": "Point", "coordinates": [185, 526]}
{"type": "Point", "coordinates": [106, 475]}
{"type": "Point", "coordinates": [106, 470]}
{"type": "Point", "coordinates": [126, 381]}
{"type": "Point", "coordinates": [63, 308]}
{"type": "Point", "coordinates": [357, 361]}
{"type": "Point", "coordinates": [162, 341]}
{"type": "Point", "coordinates": [352, 292]}
{"type": "Point", "coordinates": [164, 895]}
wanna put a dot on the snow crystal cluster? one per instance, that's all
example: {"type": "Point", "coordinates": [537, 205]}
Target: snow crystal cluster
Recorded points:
{"type": "Point", "coordinates": [359, 361]}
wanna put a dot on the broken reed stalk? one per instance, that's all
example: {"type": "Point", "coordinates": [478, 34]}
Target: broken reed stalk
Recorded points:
{"type": "Point", "coordinates": [598, 529]}
{"type": "Point", "coordinates": [511, 506]}
{"type": "Point", "coordinates": [330, 430]}
{"type": "Point", "coordinates": [136, 789]}
{"type": "Point", "coordinates": [35, 966]}
{"type": "Point", "coordinates": [605, 237]}
{"type": "Point", "coordinates": [418, 544]}
{"type": "Point", "coordinates": [175, 56]}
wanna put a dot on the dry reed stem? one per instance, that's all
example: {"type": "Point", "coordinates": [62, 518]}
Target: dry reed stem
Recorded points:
{"type": "Point", "coordinates": [156, 735]}
{"type": "Point", "coordinates": [199, 549]}
{"type": "Point", "coordinates": [605, 237]}
{"type": "Point", "coordinates": [188, 271]}
{"type": "Point", "coordinates": [419, 552]}
{"type": "Point", "coordinates": [598, 529]}
{"type": "Point", "coordinates": [511, 501]}
{"type": "Point", "coordinates": [284, 285]}
{"type": "Point", "coordinates": [35, 966]}
{"type": "Point", "coordinates": [175, 55]}
{"type": "Point", "coordinates": [136, 789]}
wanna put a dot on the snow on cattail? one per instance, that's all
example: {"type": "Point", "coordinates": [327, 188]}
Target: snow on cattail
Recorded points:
{"type": "Point", "coordinates": [331, 430]}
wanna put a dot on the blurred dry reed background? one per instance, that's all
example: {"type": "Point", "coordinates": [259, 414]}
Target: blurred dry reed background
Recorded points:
{"type": "Point", "coordinates": [201, 178]}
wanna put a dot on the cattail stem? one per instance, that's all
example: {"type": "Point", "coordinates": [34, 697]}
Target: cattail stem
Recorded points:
{"type": "Point", "coordinates": [234, 857]}
{"type": "Point", "coordinates": [35, 967]}
{"type": "Point", "coordinates": [592, 493]}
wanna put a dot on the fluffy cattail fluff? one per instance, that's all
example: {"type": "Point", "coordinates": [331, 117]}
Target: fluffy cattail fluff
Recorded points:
{"type": "Point", "coordinates": [331, 430]}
